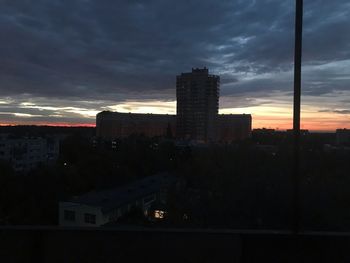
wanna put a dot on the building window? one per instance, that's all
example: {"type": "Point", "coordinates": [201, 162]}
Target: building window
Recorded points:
{"type": "Point", "coordinates": [159, 214]}
{"type": "Point", "coordinates": [90, 218]}
{"type": "Point", "coordinates": [69, 215]}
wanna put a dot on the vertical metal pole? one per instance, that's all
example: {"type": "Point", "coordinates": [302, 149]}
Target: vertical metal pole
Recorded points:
{"type": "Point", "coordinates": [296, 112]}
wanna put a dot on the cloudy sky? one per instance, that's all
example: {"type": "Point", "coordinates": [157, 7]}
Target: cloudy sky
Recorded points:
{"type": "Point", "coordinates": [62, 61]}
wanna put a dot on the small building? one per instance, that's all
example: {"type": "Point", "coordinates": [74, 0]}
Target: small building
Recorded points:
{"type": "Point", "coordinates": [104, 207]}
{"type": "Point", "coordinates": [343, 136]}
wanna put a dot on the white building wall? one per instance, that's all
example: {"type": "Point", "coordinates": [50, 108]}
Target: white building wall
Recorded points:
{"type": "Point", "coordinates": [80, 211]}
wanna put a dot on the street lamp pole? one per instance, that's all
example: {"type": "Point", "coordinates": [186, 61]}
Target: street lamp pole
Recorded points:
{"type": "Point", "coordinates": [296, 112]}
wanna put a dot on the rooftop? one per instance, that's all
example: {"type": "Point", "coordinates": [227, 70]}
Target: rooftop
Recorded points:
{"type": "Point", "coordinates": [113, 198]}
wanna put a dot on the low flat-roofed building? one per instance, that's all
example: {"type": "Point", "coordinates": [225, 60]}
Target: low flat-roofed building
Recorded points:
{"type": "Point", "coordinates": [120, 125]}
{"type": "Point", "coordinates": [109, 125]}
{"type": "Point", "coordinates": [343, 136]}
{"type": "Point", "coordinates": [233, 127]}
{"type": "Point", "coordinates": [103, 207]}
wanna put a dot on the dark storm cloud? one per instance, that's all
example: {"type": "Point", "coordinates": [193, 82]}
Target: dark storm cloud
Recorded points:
{"type": "Point", "coordinates": [116, 50]}
{"type": "Point", "coordinates": [342, 111]}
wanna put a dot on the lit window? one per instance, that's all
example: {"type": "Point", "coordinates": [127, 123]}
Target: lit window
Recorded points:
{"type": "Point", "coordinates": [159, 214]}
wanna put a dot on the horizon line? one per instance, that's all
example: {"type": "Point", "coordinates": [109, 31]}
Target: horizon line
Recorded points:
{"type": "Point", "coordinates": [81, 125]}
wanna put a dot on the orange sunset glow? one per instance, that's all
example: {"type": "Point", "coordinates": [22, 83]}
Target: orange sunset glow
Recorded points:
{"type": "Point", "coordinates": [270, 115]}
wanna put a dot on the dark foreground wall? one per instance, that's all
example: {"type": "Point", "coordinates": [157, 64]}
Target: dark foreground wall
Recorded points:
{"type": "Point", "coordinates": [24, 244]}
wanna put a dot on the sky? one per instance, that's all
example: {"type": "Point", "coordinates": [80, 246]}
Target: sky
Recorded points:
{"type": "Point", "coordinates": [63, 61]}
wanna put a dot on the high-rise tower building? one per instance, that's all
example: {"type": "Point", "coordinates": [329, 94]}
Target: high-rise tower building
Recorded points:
{"type": "Point", "coordinates": [197, 96]}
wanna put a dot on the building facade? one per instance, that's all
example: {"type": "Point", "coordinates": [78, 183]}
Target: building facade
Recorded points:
{"type": "Point", "coordinates": [111, 125]}
{"type": "Point", "coordinates": [234, 127]}
{"type": "Point", "coordinates": [197, 95]}
{"type": "Point", "coordinates": [26, 153]}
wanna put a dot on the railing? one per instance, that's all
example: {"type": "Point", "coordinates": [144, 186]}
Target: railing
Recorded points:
{"type": "Point", "coordinates": [131, 244]}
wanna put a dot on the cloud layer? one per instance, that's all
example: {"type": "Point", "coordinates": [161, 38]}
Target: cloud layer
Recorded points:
{"type": "Point", "coordinates": [67, 59]}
